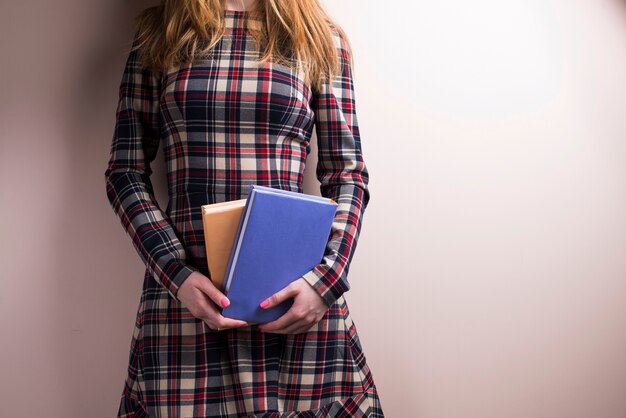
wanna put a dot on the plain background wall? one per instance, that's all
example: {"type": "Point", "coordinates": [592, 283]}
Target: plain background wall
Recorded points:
{"type": "Point", "coordinates": [490, 276]}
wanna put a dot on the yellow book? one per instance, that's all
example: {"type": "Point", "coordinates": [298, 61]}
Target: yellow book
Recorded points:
{"type": "Point", "coordinates": [220, 222]}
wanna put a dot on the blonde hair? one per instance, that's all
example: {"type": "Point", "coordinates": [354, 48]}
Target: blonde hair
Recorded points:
{"type": "Point", "coordinates": [297, 33]}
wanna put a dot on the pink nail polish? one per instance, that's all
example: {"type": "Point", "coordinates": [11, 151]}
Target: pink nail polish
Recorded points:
{"type": "Point", "coordinates": [265, 303]}
{"type": "Point", "coordinates": [224, 302]}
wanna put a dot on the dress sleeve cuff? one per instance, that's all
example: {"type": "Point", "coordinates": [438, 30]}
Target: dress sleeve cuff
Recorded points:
{"type": "Point", "coordinates": [177, 273]}
{"type": "Point", "coordinates": [321, 279]}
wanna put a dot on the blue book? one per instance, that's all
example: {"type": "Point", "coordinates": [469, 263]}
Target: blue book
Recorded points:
{"type": "Point", "coordinates": [281, 236]}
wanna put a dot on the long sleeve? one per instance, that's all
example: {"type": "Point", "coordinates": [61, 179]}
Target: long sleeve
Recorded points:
{"type": "Point", "coordinates": [135, 143]}
{"type": "Point", "coordinates": [343, 177]}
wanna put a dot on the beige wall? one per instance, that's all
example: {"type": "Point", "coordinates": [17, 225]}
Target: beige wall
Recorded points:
{"type": "Point", "coordinates": [490, 277]}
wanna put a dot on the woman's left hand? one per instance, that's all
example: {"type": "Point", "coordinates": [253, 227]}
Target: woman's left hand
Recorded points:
{"type": "Point", "coordinates": [307, 309]}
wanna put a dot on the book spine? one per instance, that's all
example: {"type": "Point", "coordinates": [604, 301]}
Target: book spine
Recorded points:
{"type": "Point", "coordinates": [232, 262]}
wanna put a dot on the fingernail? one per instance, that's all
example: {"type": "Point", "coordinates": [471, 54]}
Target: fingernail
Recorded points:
{"type": "Point", "coordinates": [265, 303]}
{"type": "Point", "coordinates": [224, 302]}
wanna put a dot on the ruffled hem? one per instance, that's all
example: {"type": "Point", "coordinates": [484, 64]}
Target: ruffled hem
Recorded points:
{"type": "Point", "coordinates": [365, 405]}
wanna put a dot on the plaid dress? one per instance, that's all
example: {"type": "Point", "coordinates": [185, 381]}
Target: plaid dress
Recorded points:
{"type": "Point", "coordinates": [224, 124]}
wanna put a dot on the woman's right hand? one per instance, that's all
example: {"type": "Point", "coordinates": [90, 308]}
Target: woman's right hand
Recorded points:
{"type": "Point", "coordinates": [200, 296]}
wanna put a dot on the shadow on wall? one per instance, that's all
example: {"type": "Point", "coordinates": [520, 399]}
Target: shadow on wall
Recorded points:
{"type": "Point", "coordinates": [98, 292]}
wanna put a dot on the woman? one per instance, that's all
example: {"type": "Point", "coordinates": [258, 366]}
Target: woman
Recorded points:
{"type": "Point", "coordinates": [233, 92]}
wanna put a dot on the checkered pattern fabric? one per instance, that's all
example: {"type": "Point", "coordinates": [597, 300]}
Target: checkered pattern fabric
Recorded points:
{"type": "Point", "coordinates": [224, 124]}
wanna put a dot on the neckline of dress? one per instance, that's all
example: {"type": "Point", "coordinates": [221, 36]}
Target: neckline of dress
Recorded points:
{"type": "Point", "coordinates": [236, 19]}
{"type": "Point", "coordinates": [229, 13]}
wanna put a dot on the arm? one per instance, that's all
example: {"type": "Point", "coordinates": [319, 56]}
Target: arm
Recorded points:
{"type": "Point", "coordinates": [343, 177]}
{"type": "Point", "coordinates": [134, 146]}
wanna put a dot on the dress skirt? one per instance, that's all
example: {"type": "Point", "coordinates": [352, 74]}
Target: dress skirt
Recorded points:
{"type": "Point", "coordinates": [178, 367]}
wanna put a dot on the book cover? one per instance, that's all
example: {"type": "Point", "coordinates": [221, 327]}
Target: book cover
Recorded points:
{"type": "Point", "coordinates": [220, 222]}
{"type": "Point", "coordinates": [281, 236]}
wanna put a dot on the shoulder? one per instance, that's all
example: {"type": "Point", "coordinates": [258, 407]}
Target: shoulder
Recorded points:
{"type": "Point", "coordinates": [342, 43]}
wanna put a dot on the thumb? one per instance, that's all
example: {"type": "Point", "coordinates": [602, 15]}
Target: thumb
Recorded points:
{"type": "Point", "coordinates": [214, 293]}
{"type": "Point", "coordinates": [280, 296]}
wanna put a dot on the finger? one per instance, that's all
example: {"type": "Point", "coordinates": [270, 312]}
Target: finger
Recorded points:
{"type": "Point", "coordinates": [205, 309]}
{"type": "Point", "coordinates": [220, 323]}
{"type": "Point", "coordinates": [231, 323]}
{"type": "Point", "coordinates": [211, 316]}
{"type": "Point", "coordinates": [294, 327]}
{"type": "Point", "coordinates": [280, 296]}
{"type": "Point", "coordinates": [306, 328]}
{"type": "Point", "coordinates": [284, 321]}
{"type": "Point", "coordinates": [214, 293]}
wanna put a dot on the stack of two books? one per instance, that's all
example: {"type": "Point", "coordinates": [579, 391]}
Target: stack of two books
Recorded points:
{"type": "Point", "coordinates": [258, 245]}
